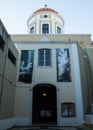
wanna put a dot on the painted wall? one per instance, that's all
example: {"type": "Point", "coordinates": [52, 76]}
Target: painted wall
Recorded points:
{"type": "Point", "coordinates": [66, 91]}
{"type": "Point", "coordinates": [82, 39]}
{"type": "Point", "coordinates": [84, 80]}
{"type": "Point", "coordinates": [7, 76]}
{"type": "Point", "coordinates": [89, 52]}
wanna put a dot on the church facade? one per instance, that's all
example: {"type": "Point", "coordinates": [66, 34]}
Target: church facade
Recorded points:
{"type": "Point", "coordinates": [54, 70]}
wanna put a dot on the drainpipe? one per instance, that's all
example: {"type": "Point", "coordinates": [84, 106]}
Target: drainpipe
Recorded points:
{"type": "Point", "coordinates": [87, 76]}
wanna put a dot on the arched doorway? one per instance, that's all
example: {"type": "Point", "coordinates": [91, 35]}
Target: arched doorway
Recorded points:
{"type": "Point", "coordinates": [44, 109]}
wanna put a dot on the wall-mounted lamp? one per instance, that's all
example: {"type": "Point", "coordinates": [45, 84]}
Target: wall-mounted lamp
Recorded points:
{"type": "Point", "coordinates": [44, 94]}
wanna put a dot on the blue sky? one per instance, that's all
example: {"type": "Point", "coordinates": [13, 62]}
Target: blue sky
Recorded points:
{"type": "Point", "coordinates": [77, 14]}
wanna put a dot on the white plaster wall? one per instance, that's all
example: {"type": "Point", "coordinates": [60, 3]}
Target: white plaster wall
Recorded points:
{"type": "Point", "coordinates": [22, 102]}
{"type": "Point", "coordinates": [66, 92]}
{"type": "Point", "coordinates": [78, 89]}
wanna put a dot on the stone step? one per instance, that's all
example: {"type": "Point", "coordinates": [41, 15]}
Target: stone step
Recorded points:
{"type": "Point", "coordinates": [43, 128]}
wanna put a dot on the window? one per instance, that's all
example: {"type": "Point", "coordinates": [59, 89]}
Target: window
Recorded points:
{"type": "Point", "coordinates": [2, 44]}
{"type": "Point", "coordinates": [68, 109]}
{"type": "Point", "coordinates": [11, 57]}
{"type": "Point", "coordinates": [45, 113]}
{"type": "Point", "coordinates": [32, 30]}
{"type": "Point", "coordinates": [45, 28]}
{"type": "Point", "coordinates": [58, 30]}
{"type": "Point", "coordinates": [44, 57]}
{"type": "Point", "coordinates": [45, 16]}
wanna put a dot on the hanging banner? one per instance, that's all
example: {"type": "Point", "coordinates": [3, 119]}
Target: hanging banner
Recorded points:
{"type": "Point", "coordinates": [26, 66]}
{"type": "Point", "coordinates": [63, 65]}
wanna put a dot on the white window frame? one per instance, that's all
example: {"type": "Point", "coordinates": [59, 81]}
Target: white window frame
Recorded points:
{"type": "Point", "coordinates": [45, 57]}
{"type": "Point", "coordinates": [42, 25]}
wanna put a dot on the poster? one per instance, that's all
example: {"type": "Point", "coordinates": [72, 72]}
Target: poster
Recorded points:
{"type": "Point", "coordinates": [26, 66]}
{"type": "Point", "coordinates": [63, 65]}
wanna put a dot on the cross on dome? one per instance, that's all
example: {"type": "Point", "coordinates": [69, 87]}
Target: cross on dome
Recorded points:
{"type": "Point", "coordinates": [45, 5]}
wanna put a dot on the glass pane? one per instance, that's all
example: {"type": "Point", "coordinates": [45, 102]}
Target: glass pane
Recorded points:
{"type": "Point", "coordinates": [43, 113]}
{"type": "Point", "coordinates": [48, 63]}
{"type": "Point", "coordinates": [44, 57]}
{"type": "Point", "coordinates": [32, 30]}
{"type": "Point", "coordinates": [71, 110]}
{"type": "Point", "coordinates": [64, 110]}
{"type": "Point", "coordinates": [58, 30]}
{"type": "Point", "coordinates": [48, 57]}
{"type": "Point", "coordinates": [41, 63]}
{"type": "Point", "coordinates": [45, 16]}
{"type": "Point", "coordinates": [45, 28]}
{"type": "Point", "coordinates": [41, 57]}
{"type": "Point", "coordinates": [48, 113]}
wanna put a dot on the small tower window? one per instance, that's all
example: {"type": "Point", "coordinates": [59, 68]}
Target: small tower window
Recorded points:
{"type": "Point", "coordinates": [58, 30]}
{"type": "Point", "coordinates": [45, 28]}
{"type": "Point", "coordinates": [32, 30]}
{"type": "Point", "coordinates": [45, 16]}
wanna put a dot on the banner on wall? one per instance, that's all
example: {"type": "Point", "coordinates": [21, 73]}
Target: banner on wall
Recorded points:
{"type": "Point", "coordinates": [63, 65]}
{"type": "Point", "coordinates": [26, 66]}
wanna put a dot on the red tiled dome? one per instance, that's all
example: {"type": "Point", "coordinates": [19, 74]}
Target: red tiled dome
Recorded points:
{"type": "Point", "coordinates": [45, 9]}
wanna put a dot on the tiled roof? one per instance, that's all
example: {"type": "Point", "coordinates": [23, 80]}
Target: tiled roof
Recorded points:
{"type": "Point", "coordinates": [45, 9]}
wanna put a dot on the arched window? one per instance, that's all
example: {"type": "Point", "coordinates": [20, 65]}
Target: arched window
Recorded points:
{"type": "Point", "coordinates": [68, 109]}
{"type": "Point", "coordinates": [44, 57]}
{"type": "Point", "coordinates": [32, 30]}
{"type": "Point", "coordinates": [59, 30]}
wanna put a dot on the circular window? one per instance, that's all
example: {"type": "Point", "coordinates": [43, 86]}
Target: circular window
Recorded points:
{"type": "Point", "coordinates": [45, 16]}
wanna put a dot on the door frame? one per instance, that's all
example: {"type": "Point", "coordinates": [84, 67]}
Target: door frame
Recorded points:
{"type": "Point", "coordinates": [52, 87]}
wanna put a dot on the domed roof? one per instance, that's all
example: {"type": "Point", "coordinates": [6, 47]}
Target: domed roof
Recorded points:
{"type": "Point", "coordinates": [45, 9]}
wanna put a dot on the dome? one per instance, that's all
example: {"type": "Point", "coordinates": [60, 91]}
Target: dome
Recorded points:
{"type": "Point", "coordinates": [45, 9]}
{"type": "Point", "coordinates": [45, 21]}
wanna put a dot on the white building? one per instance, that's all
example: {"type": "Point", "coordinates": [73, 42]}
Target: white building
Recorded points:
{"type": "Point", "coordinates": [52, 80]}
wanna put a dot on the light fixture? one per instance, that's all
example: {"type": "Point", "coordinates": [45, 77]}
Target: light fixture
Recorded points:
{"type": "Point", "coordinates": [44, 94]}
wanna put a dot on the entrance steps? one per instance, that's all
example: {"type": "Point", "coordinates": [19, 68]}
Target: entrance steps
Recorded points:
{"type": "Point", "coordinates": [42, 128]}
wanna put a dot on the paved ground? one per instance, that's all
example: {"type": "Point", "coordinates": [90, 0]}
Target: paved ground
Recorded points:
{"type": "Point", "coordinates": [44, 128]}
